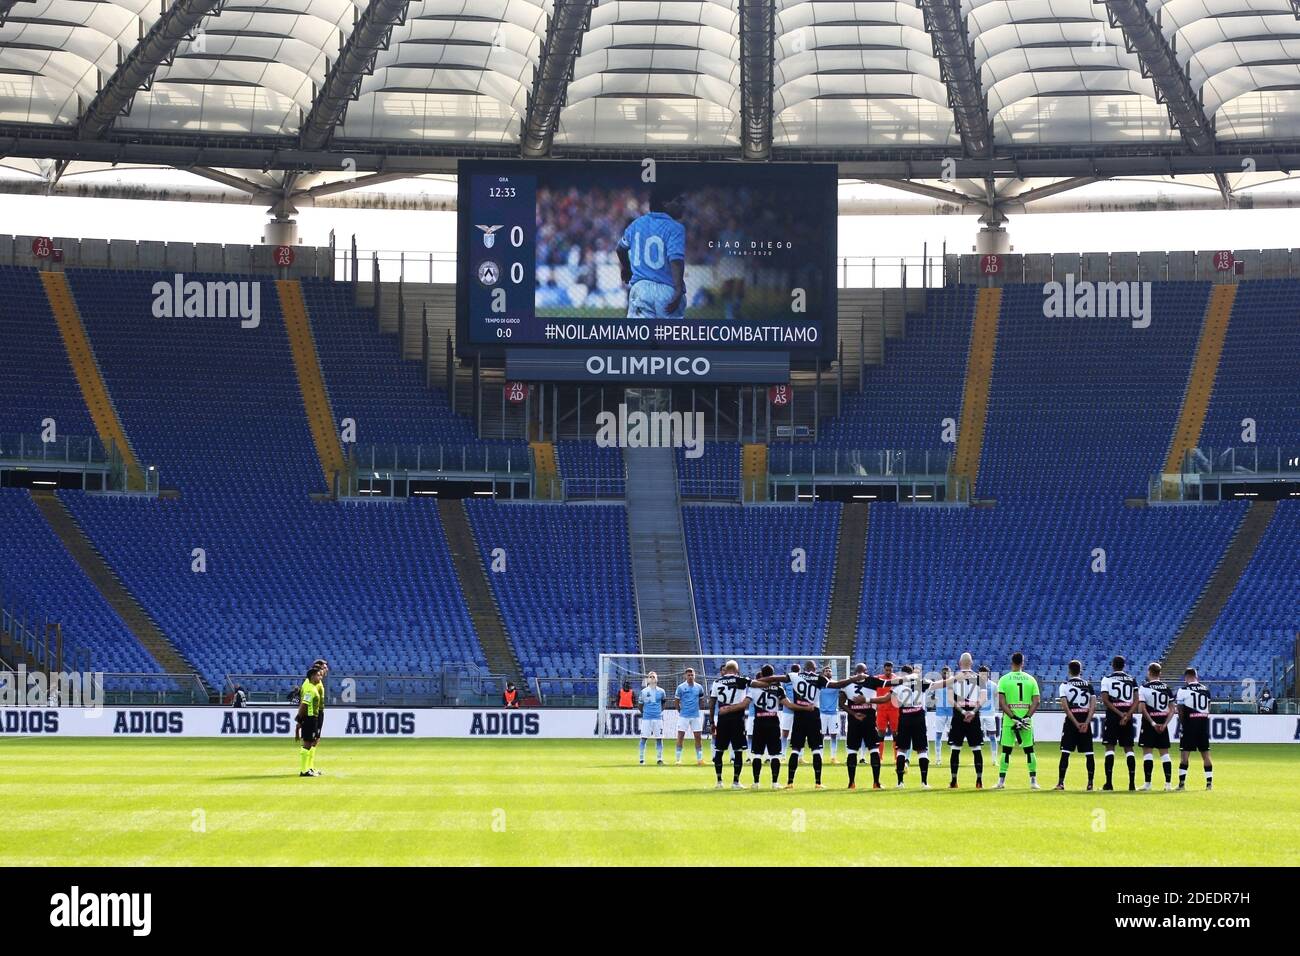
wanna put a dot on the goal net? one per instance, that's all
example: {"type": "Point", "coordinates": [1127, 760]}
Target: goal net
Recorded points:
{"type": "Point", "coordinates": [630, 671]}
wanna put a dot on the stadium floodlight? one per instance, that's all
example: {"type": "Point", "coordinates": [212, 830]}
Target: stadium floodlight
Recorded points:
{"type": "Point", "coordinates": [615, 669]}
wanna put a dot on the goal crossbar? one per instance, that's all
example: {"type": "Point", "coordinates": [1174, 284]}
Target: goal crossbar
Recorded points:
{"type": "Point", "coordinates": [616, 670]}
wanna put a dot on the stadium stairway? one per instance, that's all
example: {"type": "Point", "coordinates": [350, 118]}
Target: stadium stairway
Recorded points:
{"type": "Point", "coordinates": [483, 611]}
{"type": "Point", "coordinates": [850, 570]}
{"type": "Point", "coordinates": [660, 572]}
{"type": "Point", "coordinates": [82, 359]}
{"type": "Point", "coordinates": [436, 301]}
{"type": "Point", "coordinates": [311, 381]}
{"type": "Point", "coordinates": [1200, 383]}
{"type": "Point", "coordinates": [979, 375]}
{"type": "Point", "coordinates": [1214, 598]}
{"type": "Point", "coordinates": [753, 472]}
{"type": "Point", "coordinates": [14, 655]}
{"type": "Point", "coordinates": [111, 588]}
{"type": "Point", "coordinates": [546, 471]}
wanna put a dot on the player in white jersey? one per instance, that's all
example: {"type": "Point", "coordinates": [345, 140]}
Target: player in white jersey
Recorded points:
{"type": "Point", "coordinates": [728, 693]}
{"type": "Point", "coordinates": [1079, 703]}
{"type": "Point", "coordinates": [766, 701]}
{"type": "Point", "coordinates": [966, 691]}
{"type": "Point", "coordinates": [909, 698]}
{"type": "Point", "coordinates": [1194, 726]}
{"type": "Point", "coordinates": [786, 717]}
{"type": "Point", "coordinates": [1155, 702]}
{"type": "Point", "coordinates": [806, 728]}
{"type": "Point", "coordinates": [749, 716]}
{"type": "Point", "coordinates": [1120, 695]}
{"type": "Point", "coordinates": [861, 721]}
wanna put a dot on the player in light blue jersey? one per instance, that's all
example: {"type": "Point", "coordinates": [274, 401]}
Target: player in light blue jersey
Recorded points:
{"type": "Point", "coordinates": [750, 713]}
{"type": "Point", "coordinates": [828, 706]}
{"type": "Point", "coordinates": [652, 259]}
{"type": "Point", "coordinates": [942, 714]}
{"type": "Point", "coordinates": [989, 709]}
{"type": "Point", "coordinates": [689, 716]}
{"type": "Point", "coordinates": [651, 703]}
{"type": "Point", "coordinates": [787, 717]}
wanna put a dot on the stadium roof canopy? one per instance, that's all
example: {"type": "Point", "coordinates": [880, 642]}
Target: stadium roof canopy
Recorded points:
{"type": "Point", "coordinates": [892, 89]}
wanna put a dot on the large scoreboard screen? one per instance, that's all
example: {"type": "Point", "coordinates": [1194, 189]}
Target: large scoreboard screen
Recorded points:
{"type": "Point", "coordinates": [652, 255]}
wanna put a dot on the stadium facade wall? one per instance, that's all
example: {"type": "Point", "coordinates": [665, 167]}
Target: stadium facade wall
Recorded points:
{"type": "Point", "coordinates": [573, 724]}
{"type": "Point", "coordinates": [174, 256]}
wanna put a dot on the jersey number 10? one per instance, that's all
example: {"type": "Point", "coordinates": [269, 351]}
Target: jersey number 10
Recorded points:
{"type": "Point", "coordinates": [649, 252]}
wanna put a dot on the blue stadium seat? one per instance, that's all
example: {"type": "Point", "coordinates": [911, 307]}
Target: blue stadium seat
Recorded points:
{"type": "Point", "coordinates": [36, 379]}
{"type": "Point", "coordinates": [749, 599]}
{"type": "Point", "coordinates": [589, 469]}
{"type": "Point", "coordinates": [37, 575]}
{"type": "Point", "coordinates": [566, 594]}
{"type": "Point", "coordinates": [217, 407]}
{"type": "Point", "coordinates": [715, 473]}
{"type": "Point", "coordinates": [1081, 413]}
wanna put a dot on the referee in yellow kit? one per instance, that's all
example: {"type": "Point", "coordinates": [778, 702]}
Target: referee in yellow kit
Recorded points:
{"type": "Point", "coordinates": [309, 721]}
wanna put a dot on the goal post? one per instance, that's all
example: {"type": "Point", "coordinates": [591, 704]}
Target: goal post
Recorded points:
{"type": "Point", "coordinates": [633, 669]}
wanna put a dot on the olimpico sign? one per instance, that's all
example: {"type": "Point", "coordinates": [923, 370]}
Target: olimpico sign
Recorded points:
{"type": "Point", "coordinates": [648, 367]}
{"type": "Point", "coordinates": [277, 721]}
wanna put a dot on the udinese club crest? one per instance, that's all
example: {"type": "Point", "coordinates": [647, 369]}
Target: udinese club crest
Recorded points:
{"type": "Point", "coordinates": [488, 272]}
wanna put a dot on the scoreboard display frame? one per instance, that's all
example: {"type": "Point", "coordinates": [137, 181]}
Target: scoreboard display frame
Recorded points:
{"type": "Point", "coordinates": [499, 227]}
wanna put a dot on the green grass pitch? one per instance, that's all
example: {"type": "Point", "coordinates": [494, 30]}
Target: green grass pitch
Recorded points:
{"type": "Point", "coordinates": [240, 802]}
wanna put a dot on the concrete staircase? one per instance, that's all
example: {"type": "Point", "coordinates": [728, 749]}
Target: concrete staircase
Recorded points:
{"type": "Point", "coordinates": [438, 302]}
{"type": "Point", "coordinates": [311, 380]}
{"type": "Point", "coordinates": [850, 571]}
{"type": "Point", "coordinates": [546, 471]}
{"type": "Point", "coordinates": [1200, 382]}
{"type": "Point", "coordinates": [979, 376]}
{"type": "Point", "coordinates": [1227, 574]}
{"type": "Point", "coordinates": [866, 318]}
{"type": "Point", "coordinates": [86, 369]}
{"type": "Point", "coordinates": [490, 627]}
{"type": "Point", "coordinates": [13, 654]}
{"type": "Point", "coordinates": [665, 602]}
{"type": "Point", "coordinates": [753, 472]}
{"type": "Point", "coordinates": [109, 585]}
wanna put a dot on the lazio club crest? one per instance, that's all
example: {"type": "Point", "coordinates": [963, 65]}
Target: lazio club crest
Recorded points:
{"type": "Point", "coordinates": [489, 235]}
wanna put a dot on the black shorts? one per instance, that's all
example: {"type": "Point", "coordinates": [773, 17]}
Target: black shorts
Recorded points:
{"type": "Point", "coordinates": [767, 737]}
{"type": "Point", "coordinates": [965, 731]}
{"type": "Point", "coordinates": [310, 729]}
{"type": "Point", "coordinates": [730, 732]}
{"type": "Point", "coordinates": [1113, 732]}
{"type": "Point", "coordinates": [911, 733]}
{"type": "Point", "coordinates": [807, 730]}
{"type": "Point", "coordinates": [862, 733]}
{"type": "Point", "coordinates": [1074, 740]}
{"type": "Point", "coordinates": [1153, 739]}
{"type": "Point", "coordinates": [1194, 734]}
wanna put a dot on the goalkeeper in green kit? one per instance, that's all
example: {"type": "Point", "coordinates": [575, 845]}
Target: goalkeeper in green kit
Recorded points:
{"type": "Point", "coordinates": [1018, 699]}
